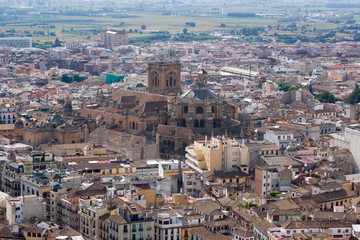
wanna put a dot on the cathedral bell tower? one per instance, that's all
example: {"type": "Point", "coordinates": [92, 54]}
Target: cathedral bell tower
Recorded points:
{"type": "Point", "coordinates": [164, 78]}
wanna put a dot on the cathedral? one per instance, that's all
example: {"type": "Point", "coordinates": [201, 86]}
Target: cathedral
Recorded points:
{"type": "Point", "coordinates": [174, 118]}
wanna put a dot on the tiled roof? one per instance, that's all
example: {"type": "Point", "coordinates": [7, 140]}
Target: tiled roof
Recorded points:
{"type": "Point", "coordinates": [151, 107]}
{"type": "Point", "coordinates": [205, 234]}
{"type": "Point", "coordinates": [140, 96]}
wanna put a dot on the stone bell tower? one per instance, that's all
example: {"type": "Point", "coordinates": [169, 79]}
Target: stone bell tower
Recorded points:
{"type": "Point", "coordinates": [164, 78]}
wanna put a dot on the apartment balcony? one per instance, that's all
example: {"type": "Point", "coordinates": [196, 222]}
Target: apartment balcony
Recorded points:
{"type": "Point", "coordinates": [196, 168]}
{"type": "Point", "coordinates": [198, 155]}
{"type": "Point", "coordinates": [199, 163]}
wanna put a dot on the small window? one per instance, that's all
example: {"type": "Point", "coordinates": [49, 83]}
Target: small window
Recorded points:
{"type": "Point", "coordinates": [186, 109]}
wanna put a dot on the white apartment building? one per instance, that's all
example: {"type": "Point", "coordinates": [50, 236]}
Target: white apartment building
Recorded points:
{"type": "Point", "coordinates": [21, 209]}
{"type": "Point", "coordinates": [282, 138]}
{"type": "Point", "coordinates": [349, 139]}
{"type": "Point", "coordinates": [191, 183]}
{"type": "Point", "coordinates": [7, 113]}
{"type": "Point", "coordinates": [17, 42]}
{"type": "Point", "coordinates": [335, 229]}
{"type": "Point", "coordinates": [167, 227]}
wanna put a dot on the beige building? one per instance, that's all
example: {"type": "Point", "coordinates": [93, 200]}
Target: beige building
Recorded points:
{"type": "Point", "coordinates": [114, 38]}
{"type": "Point", "coordinates": [217, 154]}
{"type": "Point", "coordinates": [90, 212]}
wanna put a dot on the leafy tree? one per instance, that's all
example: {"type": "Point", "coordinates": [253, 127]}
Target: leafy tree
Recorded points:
{"type": "Point", "coordinates": [274, 193]}
{"type": "Point", "coordinates": [65, 78]}
{"type": "Point", "coordinates": [310, 88]}
{"type": "Point", "coordinates": [57, 43]}
{"type": "Point", "coordinates": [143, 27]}
{"type": "Point", "coordinates": [247, 205]}
{"type": "Point", "coordinates": [354, 97]}
{"type": "Point", "coordinates": [287, 87]}
{"type": "Point", "coordinates": [76, 78]}
{"type": "Point", "coordinates": [190, 24]}
{"type": "Point", "coordinates": [185, 31]}
{"type": "Point", "coordinates": [326, 97]}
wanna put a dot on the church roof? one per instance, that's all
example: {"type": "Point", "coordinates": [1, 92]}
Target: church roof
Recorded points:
{"type": "Point", "coordinates": [151, 107]}
{"type": "Point", "coordinates": [57, 119]}
{"type": "Point", "coordinates": [18, 124]}
{"type": "Point", "coordinates": [199, 91]}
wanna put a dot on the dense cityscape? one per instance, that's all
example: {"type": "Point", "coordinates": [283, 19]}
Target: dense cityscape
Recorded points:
{"type": "Point", "coordinates": [169, 120]}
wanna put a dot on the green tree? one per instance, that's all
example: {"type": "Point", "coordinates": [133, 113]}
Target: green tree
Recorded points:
{"type": "Point", "coordinates": [185, 31]}
{"type": "Point", "coordinates": [274, 193]}
{"type": "Point", "coordinates": [247, 205]}
{"type": "Point", "coordinates": [57, 43]}
{"type": "Point", "coordinates": [143, 27]}
{"type": "Point", "coordinates": [354, 97]}
{"type": "Point", "coordinates": [76, 78]}
{"type": "Point", "coordinates": [310, 88]}
{"type": "Point", "coordinates": [65, 78]}
{"type": "Point", "coordinates": [287, 87]}
{"type": "Point", "coordinates": [326, 97]}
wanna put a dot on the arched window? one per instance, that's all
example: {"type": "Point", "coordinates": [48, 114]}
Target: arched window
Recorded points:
{"type": "Point", "coordinates": [199, 110]}
{"type": "Point", "coordinates": [155, 83]}
{"type": "Point", "coordinates": [202, 123]}
{"type": "Point", "coordinates": [133, 125]}
{"type": "Point", "coordinates": [212, 109]}
{"type": "Point", "coordinates": [196, 123]}
{"type": "Point", "coordinates": [184, 123]}
{"type": "Point", "coordinates": [155, 79]}
{"type": "Point", "coordinates": [186, 109]}
{"type": "Point", "coordinates": [172, 79]}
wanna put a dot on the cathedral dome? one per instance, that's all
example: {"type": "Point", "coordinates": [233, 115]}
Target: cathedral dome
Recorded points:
{"type": "Point", "coordinates": [18, 124]}
{"type": "Point", "coordinates": [56, 119]}
{"type": "Point", "coordinates": [199, 91]}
